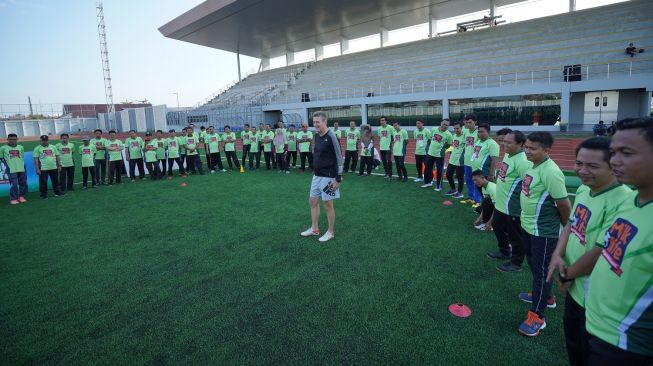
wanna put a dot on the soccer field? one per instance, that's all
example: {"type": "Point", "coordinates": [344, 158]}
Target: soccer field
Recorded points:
{"type": "Point", "coordinates": [216, 273]}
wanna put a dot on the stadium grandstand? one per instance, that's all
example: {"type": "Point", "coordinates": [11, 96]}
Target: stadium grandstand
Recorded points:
{"type": "Point", "coordinates": [564, 71]}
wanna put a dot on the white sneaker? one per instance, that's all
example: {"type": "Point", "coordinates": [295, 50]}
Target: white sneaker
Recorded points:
{"type": "Point", "coordinates": [418, 180]}
{"type": "Point", "coordinates": [223, 170]}
{"type": "Point", "coordinates": [309, 232]}
{"type": "Point", "coordinates": [326, 237]}
{"type": "Point", "coordinates": [438, 189]}
{"type": "Point", "coordinates": [480, 226]}
{"type": "Point", "coordinates": [427, 185]}
{"type": "Point", "coordinates": [212, 171]}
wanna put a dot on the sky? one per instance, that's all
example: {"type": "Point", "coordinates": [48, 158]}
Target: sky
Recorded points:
{"type": "Point", "coordinates": [50, 51]}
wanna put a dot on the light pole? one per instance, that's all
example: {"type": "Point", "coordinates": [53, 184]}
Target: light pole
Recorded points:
{"type": "Point", "coordinates": [177, 94]}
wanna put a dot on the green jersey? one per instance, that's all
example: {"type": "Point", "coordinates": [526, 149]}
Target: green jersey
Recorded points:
{"type": "Point", "coordinates": [174, 147]}
{"type": "Point", "coordinates": [266, 140]}
{"type": "Point", "coordinates": [134, 147]}
{"type": "Point", "coordinates": [229, 140]}
{"type": "Point", "coordinates": [304, 139]}
{"type": "Point", "coordinates": [190, 143]}
{"type": "Point", "coordinates": [212, 141]}
{"type": "Point", "coordinates": [543, 184]}
{"type": "Point", "coordinates": [490, 191]}
{"type": "Point", "coordinates": [483, 153]}
{"type": "Point", "coordinates": [66, 154]}
{"type": "Point", "coordinates": [470, 141]}
{"type": "Point", "coordinates": [291, 137]}
{"type": "Point", "coordinates": [254, 142]}
{"type": "Point", "coordinates": [160, 148]}
{"type": "Point", "coordinates": [338, 133]}
{"type": "Point", "coordinates": [352, 139]}
{"type": "Point", "coordinates": [399, 138]}
{"type": "Point", "coordinates": [590, 215]}
{"type": "Point", "coordinates": [115, 155]}
{"type": "Point", "coordinates": [150, 152]}
{"type": "Point", "coordinates": [99, 142]}
{"type": "Point", "coordinates": [203, 135]}
{"type": "Point", "coordinates": [509, 179]}
{"type": "Point", "coordinates": [246, 137]}
{"type": "Point", "coordinates": [14, 158]}
{"type": "Point", "coordinates": [421, 140]}
{"type": "Point", "coordinates": [385, 137]}
{"type": "Point", "coordinates": [47, 156]}
{"type": "Point", "coordinates": [458, 145]}
{"type": "Point", "coordinates": [619, 303]}
{"type": "Point", "coordinates": [439, 141]}
{"type": "Point", "coordinates": [87, 153]}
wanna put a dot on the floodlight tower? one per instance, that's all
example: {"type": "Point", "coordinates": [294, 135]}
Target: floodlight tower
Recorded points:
{"type": "Point", "coordinates": [104, 53]}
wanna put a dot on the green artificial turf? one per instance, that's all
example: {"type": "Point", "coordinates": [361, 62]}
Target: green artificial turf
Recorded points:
{"type": "Point", "coordinates": [216, 273]}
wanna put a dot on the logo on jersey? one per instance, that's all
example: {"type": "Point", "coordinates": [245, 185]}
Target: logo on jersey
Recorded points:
{"type": "Point", "coordinates": [135, 144]}
{"type": "Point", "coordinates": [246, 136]}
{"type": "Point", "coordinates": [397, 137]}
{"type": "Point", "coordinates": [14, 154]}
{"type": "Point", "coordinates": [477, 150]}
{"type": "Point", "coordinates": [213, 139]}
{"type": "Point", "coordinates": [456, 143]}
{"type": "Point", "coordinates": [420, 137]}
{"type": "Point", "coordinates": [617, 238]}
{"type": "Point", "coordinates": [291, 138]}
{"type": "Point", "coordinates": [191, 141]}
{"type": "Point", "coordinates": [86, 151]}
{"type": "Point", "coordinates": [65, 150]}
{"type": "Point", "coordinates": [579, 221]}
{"type": "Point", "coordinates": [503, 169]}
{"type": "Point", "coordinates": [160, 144]}
{"type": "Point", "coordinates": [47, 154]}
{"type": "Point", "coordinates": [526, 185]}
{"type": "Point", "coordinates": [351, 136]}
{"type": "Point", "coordinates": [437, 138]}
{"type": "Point", "coordinates": [172, 144]}
{"type": "Point", "coordinates": [384, 133]}
{"type": "Point", "coordinates": [98, 144]}
{"type": "Point", "coordinates": [469, 141]}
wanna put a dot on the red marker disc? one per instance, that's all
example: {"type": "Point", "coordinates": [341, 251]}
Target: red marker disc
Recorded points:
{"type": "Point", "coordinates": [447, 203]}
{"type": "Point", "coordinates": [460, 310]}
{"type": "Point", "coordinates": [183, 185]}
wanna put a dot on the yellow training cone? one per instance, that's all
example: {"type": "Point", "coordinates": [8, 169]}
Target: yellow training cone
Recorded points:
{"type": "Point", "coordinates": [242, 170]}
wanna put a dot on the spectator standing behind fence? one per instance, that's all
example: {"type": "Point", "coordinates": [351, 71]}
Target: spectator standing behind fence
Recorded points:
{"type": "Point", "coordinates": [600, 129]}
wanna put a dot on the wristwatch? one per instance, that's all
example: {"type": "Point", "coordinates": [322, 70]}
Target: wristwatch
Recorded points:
{"type": "Point", "coordinates": [339, 178]}
{"type": "Point", "coordinates": [564, 279]}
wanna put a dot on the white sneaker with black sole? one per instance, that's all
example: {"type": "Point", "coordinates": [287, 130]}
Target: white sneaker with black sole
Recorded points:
{"type": "Point", "coordinates": [326, 237]}
{"type": "Point", "coordinates": [427, 185]}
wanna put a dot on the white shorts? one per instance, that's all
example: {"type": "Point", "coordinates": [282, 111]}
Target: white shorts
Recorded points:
{"type": "Point", "coordinates": [320, 188]}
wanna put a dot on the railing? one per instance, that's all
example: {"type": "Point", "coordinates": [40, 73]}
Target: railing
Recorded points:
{"type": "Point", "coordinates": [599, 71]}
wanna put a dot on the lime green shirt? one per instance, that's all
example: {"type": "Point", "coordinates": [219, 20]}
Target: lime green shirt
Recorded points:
{"type": "Point", "coordinates": [590, 215]}
{"type": "Point", "coordinates": [511, 172]}
{"type": "Point", "coordinates": [203, 135]}
{"type": "Point", "coordinates": [134, 147]}
{"type": "Point", "coordinates": [229, 141]}
{"type": "Point", "coordinates": [291, 139]}
{"type": "Point", "coordinates": [458, 144]}
{"type": "Point", "coordinates": [304, 139]}
{"type": "Point", "coordinates": [101, 142]}
{"type": "Point", "coordinates": [619, 303]}
{"type": "Point", "coordinates": [483, 153]}
{"type": "Point", "coordinates": [246, 137]}
{"type": "Point", "coordinates": [385, 137]}
{"type": "Point", "coordinates": [439, 141]}
{"type": "Point", "coordinates": [338, 133]}
{"type": "Point", "coordinates": [543, 185]}
{"type": "Point", "coordinates": [254, 141]}
{"type": "Point", "coordinates": [399, 138]}
{"type": "Point", "coordinates": [47, 156]}
{"type": "Point", "coordinates": [174, 147]}
{"type": "Point", "coordinates": [212, 141]}
{"type": "Point", "coordinates": [161, 145]}
{"type": "Point", "coordinates": [190, 143]}
{"type": "Point", "coordinates": [352, 139]}
{"type": "Point", "coordinates": [66, 154]}
{"type": "Point", "coordinates": [269, 135]}
{"type": "Point", "coordinates": [14, 158]}
{"type": "Point", "coordinates": [421, 140]}
{"type": "Point", "coordinates": [150, 155]}
{"type": "Point", "coordinates": [87, 152]}
{"type": "Point", "coordinates": [470, 141]}
{"type": "Point", "coordinates": [490, 191]}
{"type": "Point", "coordinates": [115, 155]}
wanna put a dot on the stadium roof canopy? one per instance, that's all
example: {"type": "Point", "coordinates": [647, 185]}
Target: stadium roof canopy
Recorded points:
{"type": "Point", "coordinates": [271, 28]}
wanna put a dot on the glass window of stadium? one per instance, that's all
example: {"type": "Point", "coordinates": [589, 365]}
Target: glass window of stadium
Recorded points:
{"type": "Point", "coordinates": [340, 114]}
{"type": "Point", "coordinates": [542, 109]}
{"type": "Point", "coordinates": [406, 113]}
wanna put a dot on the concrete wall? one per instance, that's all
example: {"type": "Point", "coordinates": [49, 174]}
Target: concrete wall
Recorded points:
{"type": "Point", "coordinates": [576, 111]}
{"type": "Point", "coordinates": [28, 128]}
{"type": "Point", "coordinates": [630, 104]}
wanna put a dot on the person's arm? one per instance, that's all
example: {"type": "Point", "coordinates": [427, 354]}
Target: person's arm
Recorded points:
{"type": "Point", "coordinates": [584, 265]}
{"type": "Point", "coordinates": [335, 142]}
{"type": "Point", "coordinates": [405, 147]}
{"type": "Point", "coordinates": [557, 262]}
{"type": "Point", "coordinates": [494, 160]}
{"type": "Point", "coordinates": [37, 166]}
{"type": "Point", "coordinates": [58, 158]}
{"type": "Point", "coordinates": [564, 208]}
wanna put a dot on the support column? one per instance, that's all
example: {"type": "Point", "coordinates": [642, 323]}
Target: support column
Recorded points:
{"type": "Point", "coordinates": [238, 62]}
{"type": "Point", "coordinates": [265, 63]}
{"type": "Point", "coordinates": [385, 36]}
{"type": "Point", "coordinates": [646, 104]}
{"type": "Point", "coordinates": [319, 52]}
{"type": "Point", "coordinates": [364, 114]}
{"type": "Point", "coordinates": [445, 108]}
{"type": "Point", "coordinates": [344, 45]}
{"type": "Point", "coordinates": [433, 27]}
{"type": "Point", "coordinates": [290, 58]}
{"type": "Point", "coordinates": [572, 5]}
{"type": "Point", "coordinates": [565, 106]}
{"type": "Point", "coordinates": [493, 11]}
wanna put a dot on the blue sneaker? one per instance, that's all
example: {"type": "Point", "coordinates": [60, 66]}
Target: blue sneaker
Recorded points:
{"type": "Point", "coordinates": [528, 297]}
{"type": "Point", "coordinates": [532, 325]}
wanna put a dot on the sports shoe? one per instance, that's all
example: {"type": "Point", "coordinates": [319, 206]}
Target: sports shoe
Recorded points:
{"type": "Point", "coordinates": [528, 297]}
{"type": "Point", "coordinates": [287, 171]}
{"type": "Point", "coordinates": [418, 180]}
{"type": "Point", "coordinates": [532, 325]}
{"type": "Point", "coordinates": [466, 201]}
{"type": "Point", "coordinates": [59, 195]}
{"type": "Point", "coordinates": [133, 180]}
{"type": "Point", "coordinates": [480, 226]}
{"type": "Point", "coordinates": [14, 202]}
{"type": "Point", "coordinates": [223, 170]}
{"type": "Point", "coordinates": [458, 195]}
{"type": "Point", "coordinates": [497, 255]}
{"type": "Point", "coordinates": [22, 199]}
{"type": "Point", "coordinates": [326, 237]}
{"type": "Point", "coordinates": [437, 189]}
{"type": "Point", "coordinates": [475, 205]}
{"type": "Point", "coordinates": [451, 192]}
{"type": "Point", "coordinates": [427, 185]}
{"type": "Point", "coordinates": [508, 267]}
{"type": "Point", "coordinates": [310, 232]}
{"type": "Point", "coordinates": [212, 171]}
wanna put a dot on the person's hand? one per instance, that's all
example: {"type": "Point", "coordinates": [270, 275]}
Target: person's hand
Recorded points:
{"type": "Point", "coordinates": [59, 168]}
{"type": "Point", "coordinates": [556, 263]}
{"type": "Point", "coordinates": [38, 171]}
{"type": "Point", "coordinates": [563, 287]}
{"type": "Point", "coordinates": [334, 185]}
